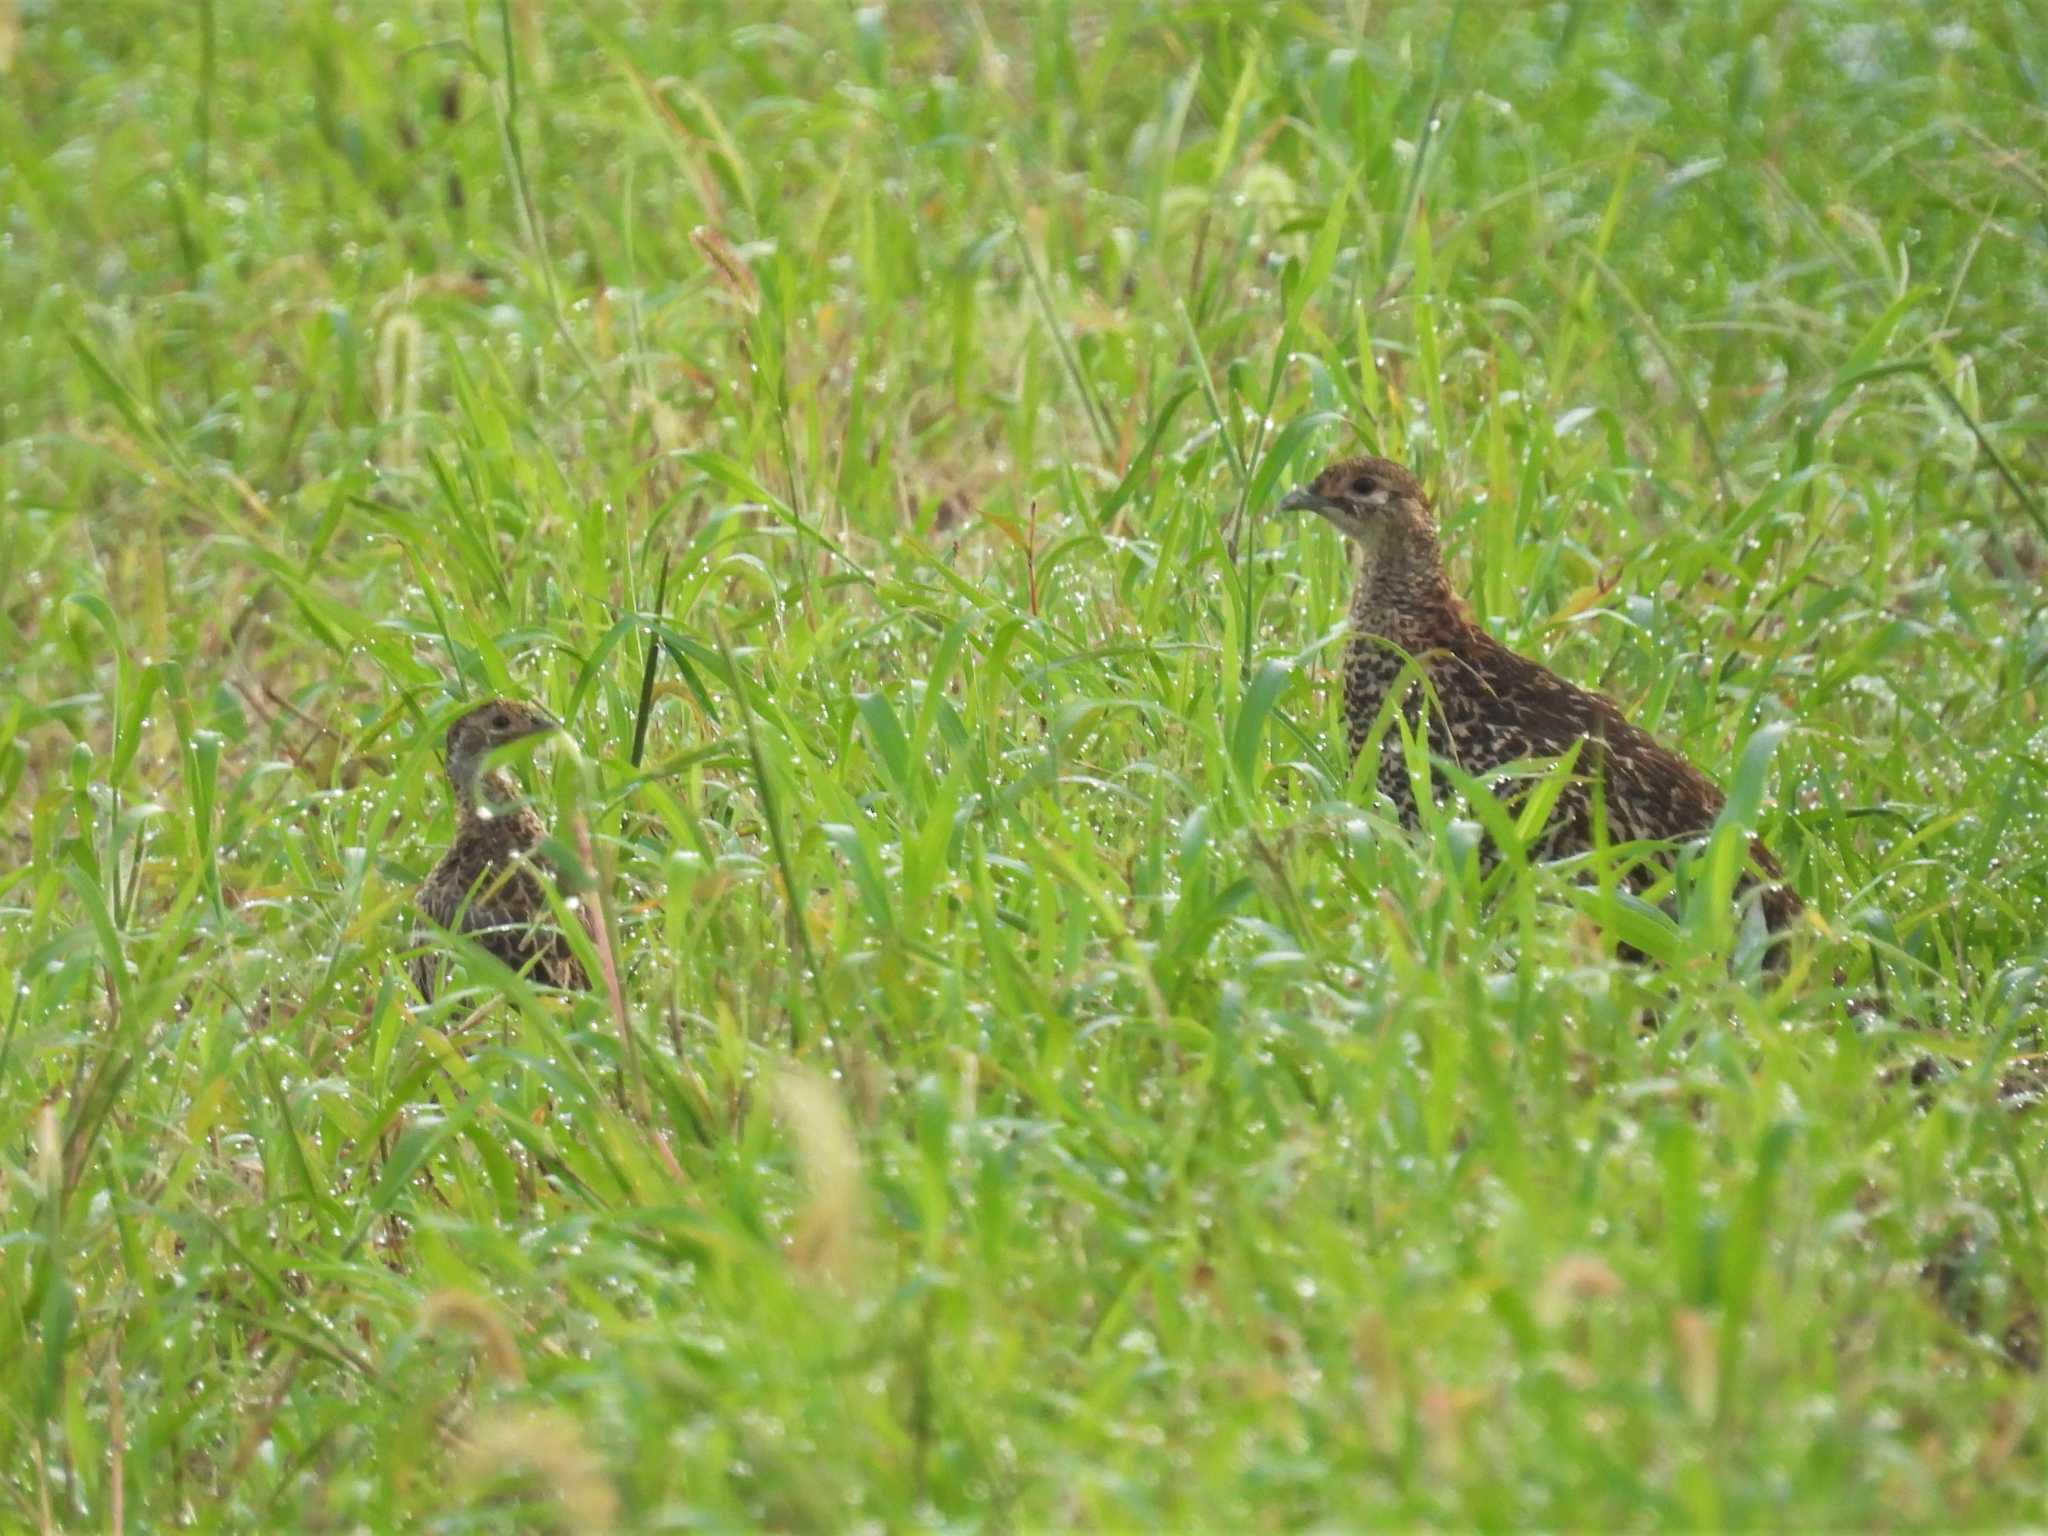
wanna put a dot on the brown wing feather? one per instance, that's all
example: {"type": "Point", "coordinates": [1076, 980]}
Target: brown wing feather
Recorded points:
{"type": "Point", "coordinates": [1495, 707]}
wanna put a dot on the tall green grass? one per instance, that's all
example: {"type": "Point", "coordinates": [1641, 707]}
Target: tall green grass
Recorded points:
{"type": "Point", "coordinates": [1045, 1091]}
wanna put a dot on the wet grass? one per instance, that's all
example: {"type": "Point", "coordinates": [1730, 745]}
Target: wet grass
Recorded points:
{"type": "Point", "coordinates": [1042, 1090]}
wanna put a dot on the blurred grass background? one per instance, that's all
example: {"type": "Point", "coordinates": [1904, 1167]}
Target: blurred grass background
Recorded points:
{"type": "Point", "coordinates": [1047, 1093]}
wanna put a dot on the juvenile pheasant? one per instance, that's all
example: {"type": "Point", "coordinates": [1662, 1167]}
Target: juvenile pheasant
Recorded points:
{"type": "Point", "coordinates": [1492, 707]}
{"type": "Point", "coordinates": [487, 885]}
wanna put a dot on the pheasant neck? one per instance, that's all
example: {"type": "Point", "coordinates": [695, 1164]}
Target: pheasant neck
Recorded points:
{"type": "Point", "coordinates": [488, 795]}
{"type": "Point", "coordinates": [1402, 591]}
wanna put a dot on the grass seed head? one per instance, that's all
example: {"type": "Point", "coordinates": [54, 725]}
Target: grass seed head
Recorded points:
{"type": "Point", "coordinates": [467, 1312]}
{"type": "Point", "coordinates": [828, 1237]}
{"type": "Point", "coordinates": [548, 1448]}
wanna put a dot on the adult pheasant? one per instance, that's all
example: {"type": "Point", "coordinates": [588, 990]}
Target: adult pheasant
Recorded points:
{"type": "Point", "coordinates": [487, 886]}
{"type": "Point", "coordinates": [1486, 706]}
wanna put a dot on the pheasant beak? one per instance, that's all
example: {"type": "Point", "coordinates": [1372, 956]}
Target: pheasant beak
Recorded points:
{"type": "Point", "coordinates": [1304, 498]}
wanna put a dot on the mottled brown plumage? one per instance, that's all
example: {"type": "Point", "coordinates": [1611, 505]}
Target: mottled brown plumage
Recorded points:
{"type": "Point", "coordinates": [1486, 706]}
{"type": "Point", "coordinates": [488, 884]}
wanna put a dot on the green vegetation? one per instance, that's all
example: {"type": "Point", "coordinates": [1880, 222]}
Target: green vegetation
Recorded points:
{"type": "Point", "coordinates": [1043, 1093]}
